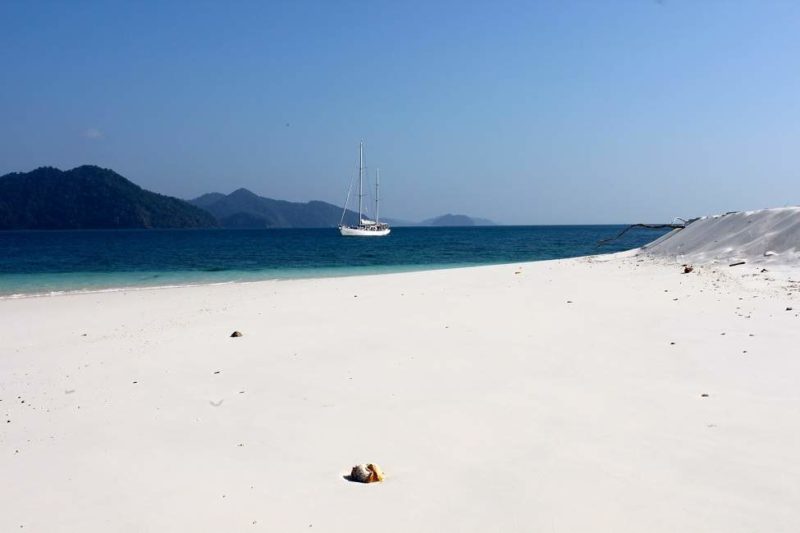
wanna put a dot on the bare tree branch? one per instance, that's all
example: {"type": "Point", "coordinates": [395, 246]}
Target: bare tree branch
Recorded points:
{"type": "Point", "coordinates": [648, 226]}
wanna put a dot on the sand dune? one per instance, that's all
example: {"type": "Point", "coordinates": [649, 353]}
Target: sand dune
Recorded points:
{"type": "Point", "coordinates": [764, 237]}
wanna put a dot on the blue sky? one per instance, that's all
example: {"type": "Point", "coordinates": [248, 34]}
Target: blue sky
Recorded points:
{"type": "Point", "coordinates": [523, 112]}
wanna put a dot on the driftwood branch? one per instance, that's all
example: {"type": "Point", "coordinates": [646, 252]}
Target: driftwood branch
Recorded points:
{"type": "Point", "coordinates": [647, 226]}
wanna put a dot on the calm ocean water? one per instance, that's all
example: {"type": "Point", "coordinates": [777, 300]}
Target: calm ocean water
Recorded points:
{"type": "Point", "coordinates": [55, 261]}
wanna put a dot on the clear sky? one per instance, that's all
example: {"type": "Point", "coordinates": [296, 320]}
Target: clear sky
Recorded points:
{"type": "Point", "coordinates": [523, 112]}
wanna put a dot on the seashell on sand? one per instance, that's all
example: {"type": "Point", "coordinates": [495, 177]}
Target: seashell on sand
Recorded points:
{"type": "Point", "coordinates": [366, 473]}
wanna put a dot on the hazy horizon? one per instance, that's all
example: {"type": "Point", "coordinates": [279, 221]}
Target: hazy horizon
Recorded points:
{"type": "Point", "coordinates": [552, 113]}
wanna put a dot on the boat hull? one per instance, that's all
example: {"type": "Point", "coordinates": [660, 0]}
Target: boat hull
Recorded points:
{"type": "Point", "coordinates": [347, 231]}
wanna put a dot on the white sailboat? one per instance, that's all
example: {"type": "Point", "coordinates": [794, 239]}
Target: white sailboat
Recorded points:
{"type": "Point", "coordinates": [365, 227]}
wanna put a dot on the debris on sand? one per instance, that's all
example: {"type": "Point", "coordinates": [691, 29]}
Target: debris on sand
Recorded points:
{"type": "Point", "coordinates": [237, 334]}
{"type": "Point", "coordinates": [737, 263]}
{"type": "Point", "coordinates": [687, 269]}
{"type": "Point", "coordinates": [366, 473]}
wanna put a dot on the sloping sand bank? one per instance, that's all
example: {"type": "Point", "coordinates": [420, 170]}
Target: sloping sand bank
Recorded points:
{"type": "Point", "coordinates": [763, 237]}
{"type": "Point", "coordinates": [606, 394]}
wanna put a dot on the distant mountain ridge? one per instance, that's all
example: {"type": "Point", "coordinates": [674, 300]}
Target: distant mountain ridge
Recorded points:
{"type": "Point", "coordinates": [244, 209]}
{"type": "Point", "coordinates": [89, 197]}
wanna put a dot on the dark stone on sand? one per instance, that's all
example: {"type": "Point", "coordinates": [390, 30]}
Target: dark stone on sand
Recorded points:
{"type": "Point", "coordinates": [687, 269]}
{"type": "Point", "coordinates": [236, 334]}
{"type": "Point", "coordinates": [704, 395]}
{"type": "Point", "coordinates": [788, 308]}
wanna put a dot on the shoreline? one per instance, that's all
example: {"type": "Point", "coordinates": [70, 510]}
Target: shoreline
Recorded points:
{"type": "Point", "coordinates": [350, 273]}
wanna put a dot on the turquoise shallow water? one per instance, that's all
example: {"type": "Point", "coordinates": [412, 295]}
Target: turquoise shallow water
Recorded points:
{"type": "Point", "coordinates": [59, 261]}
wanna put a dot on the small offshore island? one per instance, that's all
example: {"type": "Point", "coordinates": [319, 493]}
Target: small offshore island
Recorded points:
{"type": "Point", "coordinates": [652, 390]}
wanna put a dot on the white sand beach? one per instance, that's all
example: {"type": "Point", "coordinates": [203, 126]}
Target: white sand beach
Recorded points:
{"type": "Point", "coordinates": [609, 393]}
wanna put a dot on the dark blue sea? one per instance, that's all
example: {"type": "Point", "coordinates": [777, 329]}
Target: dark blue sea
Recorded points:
{"type": "Point", "coordinates": [43, 262]}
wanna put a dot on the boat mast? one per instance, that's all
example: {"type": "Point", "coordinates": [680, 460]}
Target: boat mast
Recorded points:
{"type": "Point", "coordinates": [360, 178]}
{"type": "Point", "coordinates": [377, 195]}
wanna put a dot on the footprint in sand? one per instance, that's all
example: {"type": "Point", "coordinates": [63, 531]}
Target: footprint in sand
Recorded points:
{"type": "Point", "coordinates": [216, 404]}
